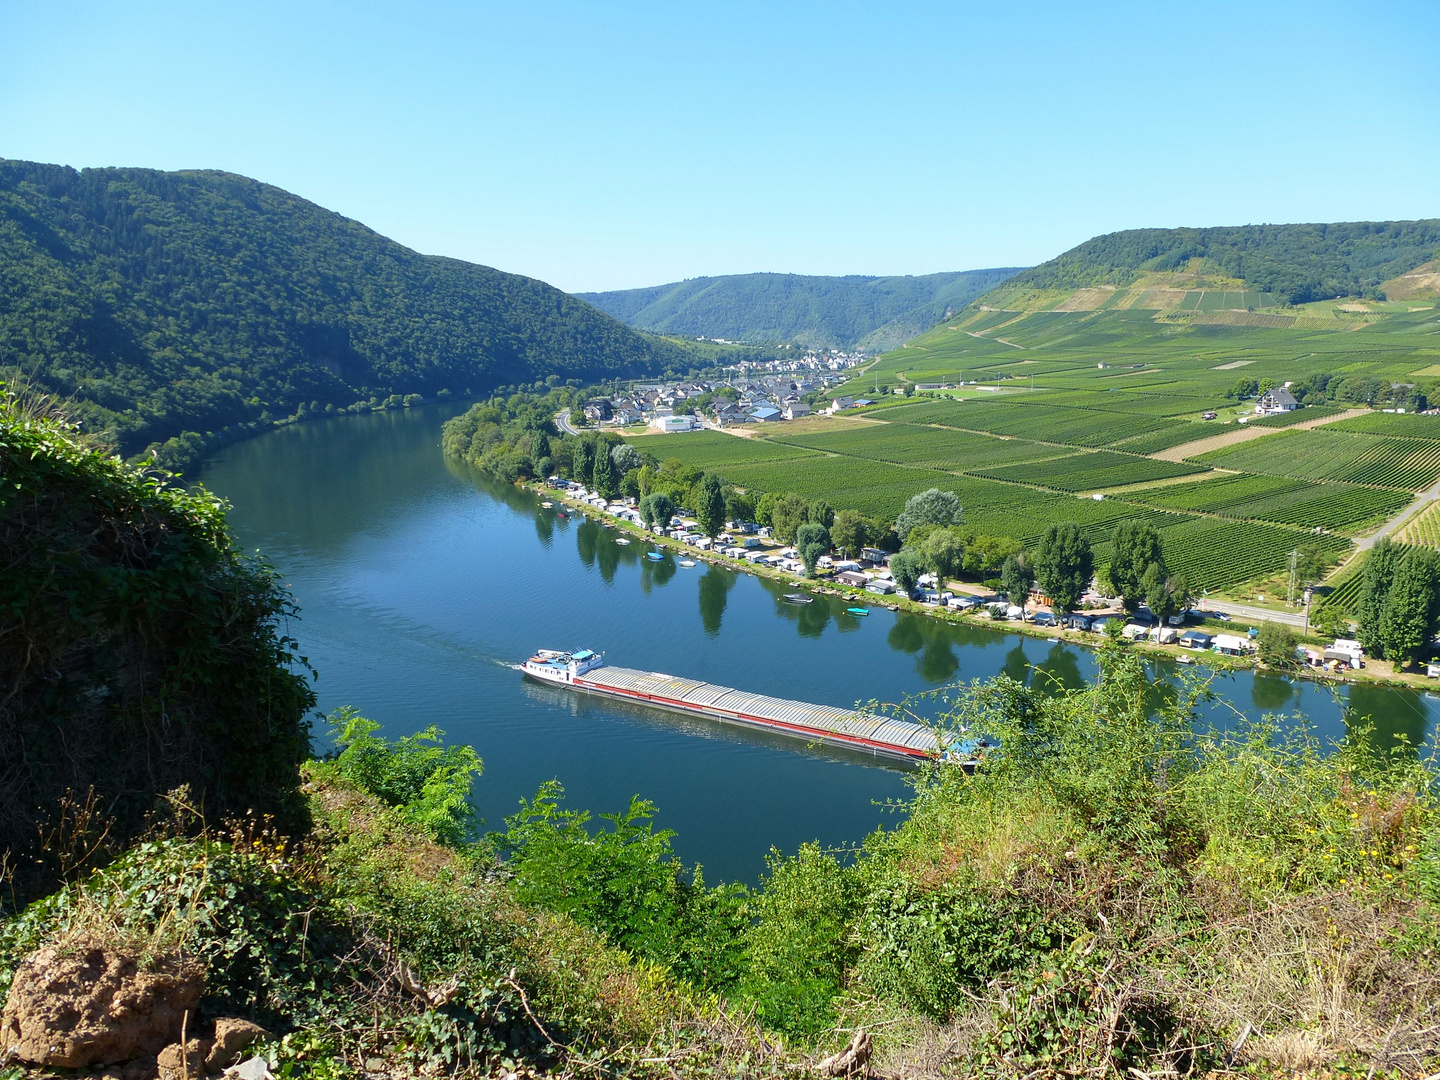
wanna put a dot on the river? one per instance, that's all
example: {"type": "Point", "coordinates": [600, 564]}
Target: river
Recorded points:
{"type": "Point", "coordinates": [421, 582]}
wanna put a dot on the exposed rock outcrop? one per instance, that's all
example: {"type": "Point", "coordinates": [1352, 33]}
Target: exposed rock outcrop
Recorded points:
{"type": "Point", "coordinates": [78, 1007]}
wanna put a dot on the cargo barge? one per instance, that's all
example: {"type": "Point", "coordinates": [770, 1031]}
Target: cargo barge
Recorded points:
{"type": "Point", "coordinates": [861, 732]}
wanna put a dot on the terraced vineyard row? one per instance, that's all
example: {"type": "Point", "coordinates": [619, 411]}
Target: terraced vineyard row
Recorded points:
{"type": "Point", "coordinates": [1081, 427]}
{"type": "Point", "coordinates": [1382, 423]}
{"type": "Point", "coordinates": [1410, 464]}
{"type": "Point", "coordinates": [713, 449]}
{"type": "Point", "coordinates": [1218, 555]}
{"type": "Point", "coordinates": [1089, 471]}
{"type": "Point", "coordinates": [1280, 499]}
{"type": "Point", "coordinates": [908, 444]}
{"type": "Point", "coordinates": [1297, 416]}
{"type": "Point", "coordinates": [1423, 529]}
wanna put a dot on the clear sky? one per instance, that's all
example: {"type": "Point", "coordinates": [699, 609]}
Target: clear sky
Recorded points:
{"type": "Point", "coordinates": [610, 145]}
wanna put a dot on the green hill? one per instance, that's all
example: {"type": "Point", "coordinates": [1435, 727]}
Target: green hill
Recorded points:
{"type": "Point", "coordinates": [163, 303]}
{"type": "Point", "coordinates": [1288, 264]}
{"type": "Point", "coordinates": [836, 312]}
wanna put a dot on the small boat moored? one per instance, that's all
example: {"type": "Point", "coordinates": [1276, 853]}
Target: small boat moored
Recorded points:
{"type": "Point", "coordinates": [687, 563]}
{"type": "Point", "coordinates": [654, 556]}
{"type": "Point", "coordinates": [621, 540]}
{"type": "Point", "coordinates": [857, 611]}
{"type": "Point", "coordinates": [547, 505]}
{"type": "Point", "coordinates": [797, 598]}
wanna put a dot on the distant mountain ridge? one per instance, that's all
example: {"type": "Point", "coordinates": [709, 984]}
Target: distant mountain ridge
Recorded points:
{"type": "Point", "coordinates": [1294, 264]}
{"type": "Point", "coordinates": [166, 303]}
{"type": "Point", "coordinates": [855, 311]}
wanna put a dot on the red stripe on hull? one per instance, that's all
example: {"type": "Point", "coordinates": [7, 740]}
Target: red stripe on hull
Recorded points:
{"type": "Point", "coordinates": [760, 721]}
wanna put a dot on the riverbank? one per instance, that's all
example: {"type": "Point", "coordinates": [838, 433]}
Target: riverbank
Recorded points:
{"type": "Point", "coordinates": [1376, 672]}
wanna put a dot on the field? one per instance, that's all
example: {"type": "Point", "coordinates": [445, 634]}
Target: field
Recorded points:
{"type": "Point", "coordinates": [1423, 529]}
{"type": "Point", "coordinates": [1085, 394]}
{"type": "Point", "coordinates": [1089, 471]}
{"type": "Point", "coordinates": [1411, 464]}
{"type": "Point", "coordinates": [1281, 500]}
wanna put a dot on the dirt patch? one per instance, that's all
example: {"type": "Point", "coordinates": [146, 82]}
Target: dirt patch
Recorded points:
{"type": "Point", "coordinates": [1169, 481]}
{"type": "Point", "coordinates": [1244, 433]}
{"type": "Point", "coordinates": [1086, 299]}
{"type": "Point", "coordinates": [1232, 365]}
{"type": "Point", "coordinates": [90, 1005]}
{"type": "Point", "coordinates": [1161, 299]}
{"type": "Point", "coordinates": [1423, 282]}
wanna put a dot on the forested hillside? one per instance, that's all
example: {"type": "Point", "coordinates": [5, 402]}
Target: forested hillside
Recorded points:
{"type": "Point", "coordinates": [163, 303]}
{"type": "Point", "coordinates": [1295, 263]}
{"type": "Point", "coordinates": [836, 312]}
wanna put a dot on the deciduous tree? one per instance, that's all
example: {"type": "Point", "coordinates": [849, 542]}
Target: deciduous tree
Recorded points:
{"type": "Point", "coordinates": [849, 532]}
{"type": "Point", "coordinates": [1064, 564]}
{"type": "Point", "coordinates": [905, 569]}
{"type": "Point", "coordinates": [1016, 577]}
{"type": "Point", "coordinates": [931, 507]}
{"type": "Point", "coordinates": [1135, 547]}
{"type": "Point", "coordinates": [812, 540]}
{"type": "Point", "coordinates": [710, 511]}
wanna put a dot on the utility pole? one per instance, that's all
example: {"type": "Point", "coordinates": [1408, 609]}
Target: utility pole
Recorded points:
{"type": "Point", "coordinates": [1294, 558]}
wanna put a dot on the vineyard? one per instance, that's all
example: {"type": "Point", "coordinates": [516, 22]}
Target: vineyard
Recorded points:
{"type": "Point", "coordinates": [1382, 423]}
{"type": "Point", "coordinates": [1279, 499]}
{"type": "Point", "coordinates": [1296, 416]}
{"type": "Point", "coordinates": [1410, 464]}
{"type": "Point", "coordinates": [1423, 529]}
{"type": "Point", "coordinates": [907, 444]}
{"type": "Point", "coordinates": [1219, 555]}
{"type": "Point", "coordinates": [712, 449]}
{"type": "Point", "coordinates": [1058, 423]}
{"type": "Point", "coordinates": [1089, 471]}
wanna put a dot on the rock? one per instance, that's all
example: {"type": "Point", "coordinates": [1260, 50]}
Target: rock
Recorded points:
{"type": "Point", "coordinates": [143, 1068]}
{"type": "Point", "coordinates": [255, 1068]}
{"type": "Point", "coordinates": [175, 1065]}
{"type": "Point", "coordinates": [232, 1037]}
{"type": "Point", "coordinates": [93, 1006]}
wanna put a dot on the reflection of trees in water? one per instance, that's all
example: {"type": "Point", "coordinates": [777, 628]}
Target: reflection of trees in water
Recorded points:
{"type": "Point", "coordinates": [652, 573]}
{"type": "Point", "coordinates": [1269, 691]}
{"type": "Point", "coordinates": [1396, 716]}
{"type": "Point", "coordinates": [1017, 664]}
{"type": "Point", "coordinates": [544, 526]}
{"type": "Point", "coordinates": [587, 539]}
{"type": "Point", "coordinates": [907, 635]}
{"type": "Point", "coordinates": [1059, 671]}
{"type": "Point", "coordinates": [809, 619]}
{"type": "Point", "coordinates": [715, 586]}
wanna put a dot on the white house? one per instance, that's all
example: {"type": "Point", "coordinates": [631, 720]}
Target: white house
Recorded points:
{"type": "Point", "coordinates": [672, 424]}
{"type": "Point", "coordinates": [1276, 401]}
{"type": "Point", "coordinates": [796, 409]}
{"type": "Point", "coordinates": [839, 404]}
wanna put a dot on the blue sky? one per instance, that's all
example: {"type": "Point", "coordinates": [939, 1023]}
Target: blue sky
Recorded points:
{"type": "Point", "coordinates": [611, 145]}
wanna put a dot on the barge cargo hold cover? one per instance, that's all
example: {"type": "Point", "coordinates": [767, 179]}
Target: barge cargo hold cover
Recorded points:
{"type": "Point", "coordinates": [863, 732]}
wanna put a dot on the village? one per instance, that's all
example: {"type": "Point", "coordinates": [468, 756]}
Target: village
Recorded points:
{"type": "Point", "coordinates": [747, 545]}
{"type": "Point", "coordinates": [748, 393]}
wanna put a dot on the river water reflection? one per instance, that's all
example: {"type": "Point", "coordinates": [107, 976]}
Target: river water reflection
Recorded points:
{"type": "Point", "coordinates": [421, 583]}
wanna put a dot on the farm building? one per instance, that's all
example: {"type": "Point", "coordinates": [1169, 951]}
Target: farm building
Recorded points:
{"type": "Point", "coordinates": [1276, 401]}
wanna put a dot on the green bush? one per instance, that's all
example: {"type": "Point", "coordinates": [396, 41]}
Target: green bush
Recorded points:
{"type": "Point", "coordinates": [801, 944]}
{"type": "Point", "coordinates": [429, 783]}
{"type": "Point", "coordinates": [625, 882]}
{"type": "Point", "coordinates": [139, 650]}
